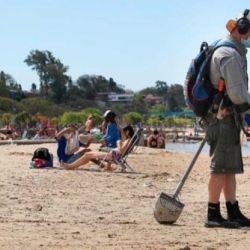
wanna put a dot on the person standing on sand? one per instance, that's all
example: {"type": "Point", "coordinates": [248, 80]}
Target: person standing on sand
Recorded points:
{"type": "Point", "coordinates": [223, 133]}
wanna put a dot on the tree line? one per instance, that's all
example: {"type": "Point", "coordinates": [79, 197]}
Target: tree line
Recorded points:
{"type": "Point", "coordinates": [57, 93]}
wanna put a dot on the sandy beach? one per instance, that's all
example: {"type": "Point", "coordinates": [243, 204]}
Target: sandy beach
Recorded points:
{"type": "Point", "coordinates": [91, 209]}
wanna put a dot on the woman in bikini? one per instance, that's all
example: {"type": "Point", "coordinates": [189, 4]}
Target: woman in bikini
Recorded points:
{"type": "Point", "coordinates": [114, 154]}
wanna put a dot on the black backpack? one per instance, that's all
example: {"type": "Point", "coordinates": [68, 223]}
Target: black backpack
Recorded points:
{"type": "Point", "coordinates": [41, 153]}
{"type": "Point", "coordinates": [199, 92]}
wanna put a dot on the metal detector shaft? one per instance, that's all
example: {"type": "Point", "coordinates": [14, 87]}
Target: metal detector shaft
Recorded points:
{"type": "Point", "coordinates": [183, 179]}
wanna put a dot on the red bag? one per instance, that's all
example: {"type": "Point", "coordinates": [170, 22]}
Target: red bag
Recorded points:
{"type": "Point", "coordinates": [39, 163]}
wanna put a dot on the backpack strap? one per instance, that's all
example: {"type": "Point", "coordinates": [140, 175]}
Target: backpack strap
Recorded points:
{"type": "Point", "coordinates": [225, 43]}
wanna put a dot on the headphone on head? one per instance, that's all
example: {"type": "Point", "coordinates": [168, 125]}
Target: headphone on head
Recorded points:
{"type": "Point", "coordinates": [243, 24]}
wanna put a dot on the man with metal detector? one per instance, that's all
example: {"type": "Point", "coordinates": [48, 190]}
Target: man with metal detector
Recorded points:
{"type": "Point", "coordinates": [228, 69]}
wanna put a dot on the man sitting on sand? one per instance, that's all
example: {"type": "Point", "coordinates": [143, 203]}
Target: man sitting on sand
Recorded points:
{"type": "Point", "coordinates": [127, 134]}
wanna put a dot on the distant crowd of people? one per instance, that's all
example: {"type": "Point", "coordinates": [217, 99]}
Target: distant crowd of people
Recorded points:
{"type": "Point", "coordinates": [155, 138]}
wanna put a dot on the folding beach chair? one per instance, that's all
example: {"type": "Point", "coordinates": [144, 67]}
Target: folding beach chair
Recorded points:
{"type": "Point", "coordinates": [122, 160]}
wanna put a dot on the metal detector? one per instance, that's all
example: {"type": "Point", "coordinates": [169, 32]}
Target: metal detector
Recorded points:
{"type": "Point", "coordinates": [168, 207]}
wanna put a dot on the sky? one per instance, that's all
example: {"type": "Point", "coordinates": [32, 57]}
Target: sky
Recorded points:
{"type": "Point", "coordinates": [136, 42]}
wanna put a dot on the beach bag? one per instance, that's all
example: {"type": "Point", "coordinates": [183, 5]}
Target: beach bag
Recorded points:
{"type": "Point", "coordinates": [41, 153]}
{"type": "Point", "coordinates": [41, 158]}
{"type": "Point", "coordinates": [199, 91]}
{"type": "Point", "coordinates": [72, 143]}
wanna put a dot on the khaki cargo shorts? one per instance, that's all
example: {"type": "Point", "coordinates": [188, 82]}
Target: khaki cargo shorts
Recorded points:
{"type": "Point", "coordinates": [223, 136]}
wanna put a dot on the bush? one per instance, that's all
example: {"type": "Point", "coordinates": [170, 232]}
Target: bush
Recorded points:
{"type": "Point", "coordinates": [55, 121]}
{"type": "Point", "coordinates": [178, 121]}
{"type": "Point", "coordinates": [153, 120]}
{"type": "Point", "coordinates": [92, 111]}
{"type": "Point", "coordinates": [6, 118]}
{"type": "Point", "coordinates": [10, 106]}
{"type": "Point", "coordinates": [22, 119]}
{"type": "Point", "coordinates": [132, 118]}
{"type": "Point", "coordinates": [35, 105]}
{"type": "Point", "coordinates": [39, 105]}
{"type": "Point", "coordinates": [73, 118]}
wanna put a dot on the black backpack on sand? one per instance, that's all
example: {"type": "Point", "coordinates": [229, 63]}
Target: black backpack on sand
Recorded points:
{"type": "Point", "coordinates": [41, 153]}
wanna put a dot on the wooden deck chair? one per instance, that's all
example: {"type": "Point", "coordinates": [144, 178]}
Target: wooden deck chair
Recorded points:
{"type": "Point", "coordinates": [122, 160]}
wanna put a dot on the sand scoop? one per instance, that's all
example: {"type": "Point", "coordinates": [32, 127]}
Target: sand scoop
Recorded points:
{"type": "Point", "coordinates": [168, 207]}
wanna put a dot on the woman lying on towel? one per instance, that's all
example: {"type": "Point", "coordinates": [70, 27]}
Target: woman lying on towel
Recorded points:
{"type": "Point", "coordinates": [114, 154]}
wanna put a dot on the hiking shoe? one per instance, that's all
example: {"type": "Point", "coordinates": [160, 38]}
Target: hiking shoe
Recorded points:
{"type": "Point", "coordinates": [215, 219]}
{"type": "Point", "coordinates": [221, 223]}
{"type": "Point", "coordinates": [235, 215]}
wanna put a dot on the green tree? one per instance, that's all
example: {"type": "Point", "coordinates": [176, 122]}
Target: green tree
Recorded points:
{"type": "Point", "coordinates": [89, 85]}
{"type": "Point", "coordinates": [39, 105]}
{"type": "Point", "coordinates": [183, 122]}
{"type": "Point", "coordinates": [154, 120]}
{"type": "Point", "coordinates": [162, 89]}
{"type": "Point", "coordinates": [158, 108]}
{"type": "Point", "coordinates": [132, 118]}
{"type": "Point", "coordinates": [38, 60]}
{"type": "Point", "coordinates": [10, 106]}
{"type": "Point", "coordinates": [33, 88]}
{"type": "Point", "coordinates": [138, 104]}
{"type": "Point", "coordinates": [52, 74]}
{"type": "Point", "coordinates": [9, 87]}
{"type": "Point", "coordinates": [86, 87]}
{"type": "Point", "coordinates": [169, 121]}
{"type": "Point", "coordinates": [6, 118]}
{"type": "Point", "coordinates": [58, 81]}
{"type": "Point", "coordinates": [149, 90]}
{"type": "Point", "coordinates": [4, 91]}
{"type": "Point", "coordinates": [175, 97]}
{"type": "Point", "coordinates": [112, 85]}
{"type": "Point", "coordinates": [22, 119]}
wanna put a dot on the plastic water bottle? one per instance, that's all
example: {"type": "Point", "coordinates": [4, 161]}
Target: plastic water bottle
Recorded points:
{"type": "Point", "coordinates": [98, 136]}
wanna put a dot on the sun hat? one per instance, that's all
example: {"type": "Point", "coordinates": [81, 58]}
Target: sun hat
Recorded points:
{"type": "Point", "coordinates": [109, 114]}
{"type": "Point", "coordinates": [106, 113]}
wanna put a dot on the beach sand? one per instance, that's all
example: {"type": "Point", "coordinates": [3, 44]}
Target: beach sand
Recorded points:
{"type": "Point", "coordinates": [91, 209]}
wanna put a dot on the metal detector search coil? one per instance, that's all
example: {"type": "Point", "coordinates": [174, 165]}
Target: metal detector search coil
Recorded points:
{"type": "Point", "coordinates": [167, 209]}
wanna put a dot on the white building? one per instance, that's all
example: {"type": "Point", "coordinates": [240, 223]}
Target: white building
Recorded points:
{"type": "Point", "coordinates": [120, 97]}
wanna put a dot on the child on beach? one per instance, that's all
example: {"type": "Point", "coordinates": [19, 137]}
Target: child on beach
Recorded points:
{"type": "Point", "coordinates": [127, 133]}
